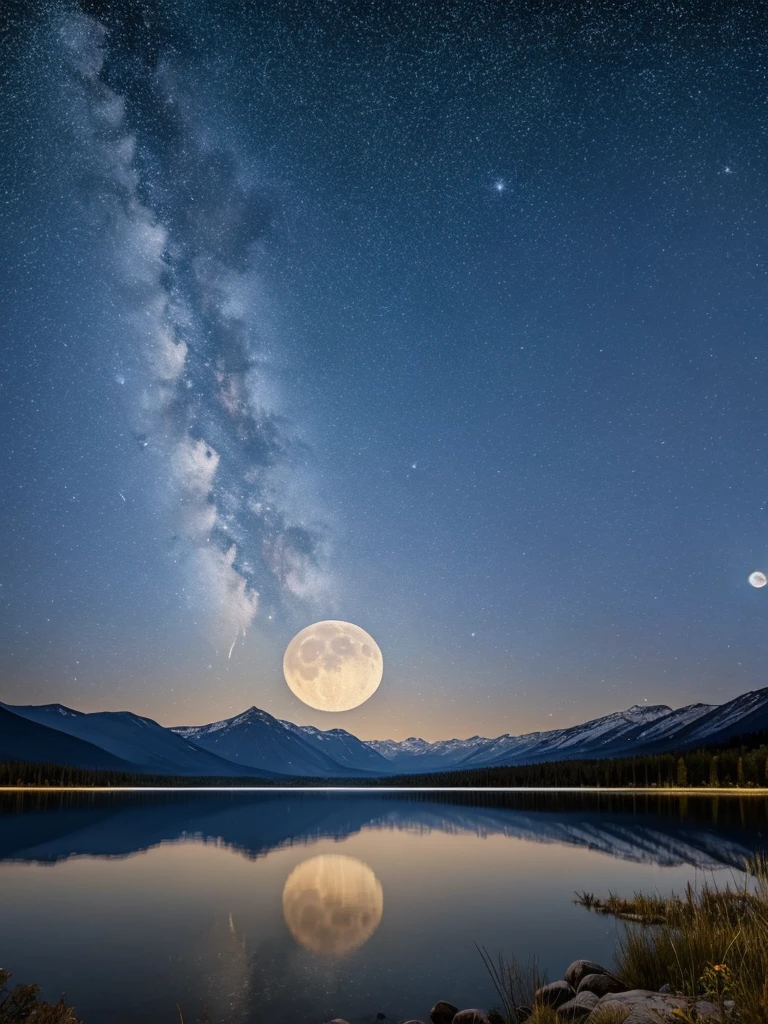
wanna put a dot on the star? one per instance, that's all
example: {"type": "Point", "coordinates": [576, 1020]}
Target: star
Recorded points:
{"type": "Point", "coordinates": [499, 185]}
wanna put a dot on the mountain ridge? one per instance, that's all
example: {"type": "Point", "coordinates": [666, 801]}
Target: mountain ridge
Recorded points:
{"type": "Point", "coordinates": [134, 741]}
{"type": "Point", "coordinates": [257, 744]}
{"type": "Point", "coordinates": [257, 739]}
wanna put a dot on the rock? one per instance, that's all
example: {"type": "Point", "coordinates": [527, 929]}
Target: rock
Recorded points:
{"type": "Point", "coordinates": [578, 1008]}
{"type": "Point", "coordinates": [471, 1017]}
{"type": "Point", "coordinates": [443, 1012]}
{"type": "Point", "coordinates": [580, 969]}
{"type": "Point", "coordinates": [554, 994]}
{"type": "Point", "coordinates": [643, 1006]}
{"type": "Point", "coordinates": [600, 984]}
{"type": "Point", "coordinates": [338, 1020]}
{"type": "Point", "coordinates": [665, 989]}
{"type": "Point", "coordinates": [413, 1022]}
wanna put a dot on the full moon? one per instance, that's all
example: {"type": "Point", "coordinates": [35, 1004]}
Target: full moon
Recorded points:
{"type": "Point", "coordinates": [333, 665]}
{"type": "Point", "coordinates": [332, 903]}
{"type": "Point", "coordinates": [758, 579]}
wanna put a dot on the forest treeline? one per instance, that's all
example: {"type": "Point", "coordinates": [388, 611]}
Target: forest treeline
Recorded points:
{"type": "Point", "coordinates": [741, 763]}
{"type": "Point", "coordinates": [738, 766]}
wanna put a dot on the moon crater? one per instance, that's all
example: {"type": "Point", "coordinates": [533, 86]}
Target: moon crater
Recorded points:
{"type": "Point", "coordinates": [333, 665]}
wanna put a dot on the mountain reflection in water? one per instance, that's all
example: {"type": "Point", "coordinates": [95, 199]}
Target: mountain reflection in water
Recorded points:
{"type": "Point", "coordinates": [703, 831]}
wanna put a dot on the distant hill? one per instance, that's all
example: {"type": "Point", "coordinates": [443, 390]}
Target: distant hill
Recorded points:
{"type": "Point", "coordinates": [641, 729]}
{"type": "Point", "coordinates": [139, 741]}
{"type": "Point", "coordinates": [23, 740]}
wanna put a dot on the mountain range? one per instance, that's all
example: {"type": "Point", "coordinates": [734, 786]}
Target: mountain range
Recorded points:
{"type": "Point", "coordinates": [257, 745]}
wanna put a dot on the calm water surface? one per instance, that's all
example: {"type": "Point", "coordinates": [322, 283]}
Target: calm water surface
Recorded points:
{"type": "Point", "coordinates": [293, 908]}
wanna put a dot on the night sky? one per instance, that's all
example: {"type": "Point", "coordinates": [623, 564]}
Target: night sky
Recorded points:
{"type": "Point", "coordinates": [446, 318]}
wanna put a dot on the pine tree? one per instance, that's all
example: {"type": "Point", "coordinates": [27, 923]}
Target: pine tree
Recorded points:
{"type": "Point", "coordinates": [682, 773]}
{"type": "Point", "coordinates": [713, 776]}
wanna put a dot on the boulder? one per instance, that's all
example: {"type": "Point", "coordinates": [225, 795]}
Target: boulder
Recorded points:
{"type": "Point", "coordinates": [580, 969]}
{"type": "Point", "coordinates": [338, 1020]}
{"type": "Point", "coordinates": [643, 1006]}
{"type": "Point", "coordinates": [471, 1017]}
{"type": "Point", "coordinates": [554, 994]}
{"type": "Point", "coordinates": [577, 1008]}
{"type": "Point", "coordinates": [601, 985]}
{"type": "Point", "coordinates": [443, 1012]}
{"type": "Point", "coordinates": [413, 1022]}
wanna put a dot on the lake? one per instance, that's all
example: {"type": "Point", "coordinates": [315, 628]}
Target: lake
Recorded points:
{"type": "Point", "coordinates": [292, 907]}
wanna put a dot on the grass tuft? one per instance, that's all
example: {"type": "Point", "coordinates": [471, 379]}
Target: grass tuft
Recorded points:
{"type": "Point", "coordinates": [20, 1005]}
{"type": "Point", "coordinates": [641, 908]}
{"type": "Point", "coordinates": [516, 986]}
{"type": "Point", "coordinates": [709, 942]}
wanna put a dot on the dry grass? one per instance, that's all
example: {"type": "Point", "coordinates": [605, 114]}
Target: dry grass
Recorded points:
{"type": "Point", "coordinates": [20, 1005]}
{"type": "Point", "coordinates": [515, 986]}
{"type": "Point", "coordinates": [708, 941]}
{"type": "Point", "coordinates": [641, 908]}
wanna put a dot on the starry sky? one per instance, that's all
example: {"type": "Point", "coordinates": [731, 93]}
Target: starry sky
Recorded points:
{"type": "Point", "coordinates": [446, 318]}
